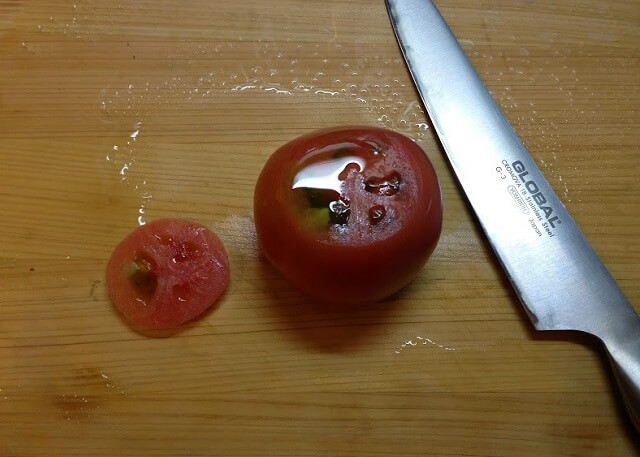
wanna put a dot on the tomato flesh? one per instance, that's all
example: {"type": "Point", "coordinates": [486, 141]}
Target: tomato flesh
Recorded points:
{"type": "Point", "coordinates": [348, 215]}
{"type": "Point", "coordinates": [167, 272]}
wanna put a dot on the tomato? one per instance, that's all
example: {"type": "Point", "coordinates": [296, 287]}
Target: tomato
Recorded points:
{"type": "Point", "coordinates": [348, 215]}
{"type": "Point", "coordinates": [167, 272]}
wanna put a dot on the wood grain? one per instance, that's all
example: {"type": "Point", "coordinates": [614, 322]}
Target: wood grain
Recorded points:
{"type": "Point", "coordinates": [116, 113]}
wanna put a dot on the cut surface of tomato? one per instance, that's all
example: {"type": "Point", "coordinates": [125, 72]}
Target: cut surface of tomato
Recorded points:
{"type": "Point", "coordinates": [167, 272]}
{"type": "Point", "coordinates": [349, 214]}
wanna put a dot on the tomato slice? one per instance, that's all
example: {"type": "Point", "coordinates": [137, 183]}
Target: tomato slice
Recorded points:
{"type": "Point", "coordinates": [167, 272]}
{"type": "Point", "coordinates": [349, 214]}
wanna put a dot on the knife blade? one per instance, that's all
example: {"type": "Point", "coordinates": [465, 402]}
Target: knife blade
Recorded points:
{"type": "Point", "coordinates": [553, 269]}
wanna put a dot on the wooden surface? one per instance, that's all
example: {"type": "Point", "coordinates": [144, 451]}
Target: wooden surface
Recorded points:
{"type": "Point", "coordinates": [115, 112]}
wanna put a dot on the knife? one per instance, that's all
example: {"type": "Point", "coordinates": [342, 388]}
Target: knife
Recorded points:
{"type": "Point", "coordinates": [555, 272]}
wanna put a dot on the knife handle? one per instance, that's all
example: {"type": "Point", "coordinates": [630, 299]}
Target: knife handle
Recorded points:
{"type": "Point", "coordinates": [624, 356]}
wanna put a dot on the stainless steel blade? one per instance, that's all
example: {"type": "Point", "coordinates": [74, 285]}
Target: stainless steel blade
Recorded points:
{"type": "Point", "coordinates": [553, 269]}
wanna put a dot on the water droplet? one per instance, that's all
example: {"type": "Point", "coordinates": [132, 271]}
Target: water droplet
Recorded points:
{"type": "Point", "coordinates": [388, 185]}
{"type": "Point", "coordinates": [377, 214]}
{"type": "Point", "coordinates": [339, 212]}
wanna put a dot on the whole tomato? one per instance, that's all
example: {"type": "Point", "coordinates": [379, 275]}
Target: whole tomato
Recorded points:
{"type": "Point", "coordinates": [348, 215]}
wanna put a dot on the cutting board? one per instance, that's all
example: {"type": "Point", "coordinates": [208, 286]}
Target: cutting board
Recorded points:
{"type": "Point", "coordinates": [113, 114]}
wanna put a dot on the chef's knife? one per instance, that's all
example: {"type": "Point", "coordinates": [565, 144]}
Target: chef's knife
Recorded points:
{"type": "Point", "coordinates": [558, 277]}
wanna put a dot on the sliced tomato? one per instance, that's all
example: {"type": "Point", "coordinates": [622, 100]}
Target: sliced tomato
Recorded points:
{"type": "Point", "coordinates": [350, 214]}
{"type": "Point", "coordinates": [167, 272]}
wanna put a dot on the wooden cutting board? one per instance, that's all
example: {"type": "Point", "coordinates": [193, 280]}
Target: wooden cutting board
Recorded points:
{"type": "Point", "coordinates": [117, 113]}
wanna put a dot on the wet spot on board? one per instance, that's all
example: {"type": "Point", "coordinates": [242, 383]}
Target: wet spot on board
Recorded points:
{"type": "Point", "coordinates": [77, 408]}
{"type": "Point", "coordinates": [94, 378]}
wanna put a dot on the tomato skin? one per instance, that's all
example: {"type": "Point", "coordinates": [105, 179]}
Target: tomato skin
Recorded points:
{"type": "Point", "coordinates": [357, 261]}
{"type": "Point", "coordinates": [167, 272]}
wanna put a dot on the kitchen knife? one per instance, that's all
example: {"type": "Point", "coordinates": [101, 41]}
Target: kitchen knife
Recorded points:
{"type": "Point", "coordinates": [558, 277]}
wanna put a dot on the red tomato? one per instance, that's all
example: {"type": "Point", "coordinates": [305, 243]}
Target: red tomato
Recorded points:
{"type": "Point", "coordinates": [348, 215]}
{"type": "Point", "coordinates": [167, 272]}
